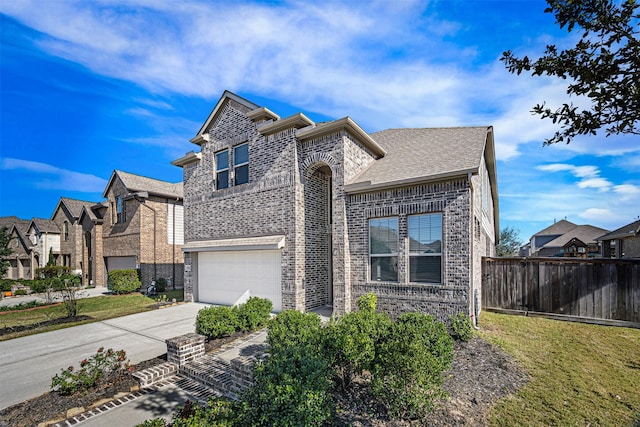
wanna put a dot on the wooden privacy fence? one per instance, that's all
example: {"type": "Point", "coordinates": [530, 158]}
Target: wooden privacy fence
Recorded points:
{"type": "Point", "coordinates": [598, 290]}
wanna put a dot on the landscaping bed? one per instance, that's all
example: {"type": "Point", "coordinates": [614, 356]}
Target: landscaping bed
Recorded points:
{"type": "Point", "coordinates": [480, 375]}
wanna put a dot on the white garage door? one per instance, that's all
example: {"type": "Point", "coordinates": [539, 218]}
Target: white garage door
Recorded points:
{"type": "Point", "coordinates": [230, 277]}
{"type": "Point", "coordinates": [121, 263]}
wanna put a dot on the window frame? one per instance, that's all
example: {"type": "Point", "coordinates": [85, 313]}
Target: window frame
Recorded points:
{"type": "Point", "coordinates": [391, 254]}
{"type": "Point", "coordinates": [121, 210]}
{"type": "Point", "coordinates": [221, 170]}
{"type": "Point", "coordinates": [415, 254]}
{"type": "Point", "coordinates": [65, 231]}
{"type": "Point", "coordinates": [237, 166]}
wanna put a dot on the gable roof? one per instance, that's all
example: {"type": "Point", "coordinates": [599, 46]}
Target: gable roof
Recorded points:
{"type": "Point", "coordinates": [45, 225]}
{"type": "Point", "coordinates": [585, 233]}
{"type": "Point", "coordinates": [629, 230]}
{"type": "Point", "coordinates": [9, 221]}
{"type": "Point", "coordinates": [425, 154]}
{"type": "Point", "coordinates": [558, 228]}
{"type": "Point", "coordinates": [202, 134]}
{"type": "Point", "coordinates": [135, 183]}
{"type": "Point", "coordinates": [73, 206]}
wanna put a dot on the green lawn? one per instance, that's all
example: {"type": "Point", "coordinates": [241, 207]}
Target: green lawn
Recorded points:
{"type": "Point", "coordinates": [92, 309]}
{"type": "Point", "coordinates": [580, 374]}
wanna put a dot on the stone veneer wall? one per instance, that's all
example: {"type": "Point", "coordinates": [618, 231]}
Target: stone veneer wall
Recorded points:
{"type": "Point", "coordinates": [452, 199]}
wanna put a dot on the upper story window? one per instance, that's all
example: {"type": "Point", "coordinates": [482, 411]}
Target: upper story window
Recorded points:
{"type": "Point", "coordinates": [121, 210]}
{"type": "Point", "coordinates": [425, 248]}
{"type": "Point", "coordinates": [65, 230]}
{"type": "Point", "coordinates": [222, 169]}
{"type": "Point", "coordinates": [383, 249]}
{"type": "Point", "coordinates": [241, 164]}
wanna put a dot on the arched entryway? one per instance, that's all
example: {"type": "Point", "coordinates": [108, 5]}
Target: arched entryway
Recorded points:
{"type": "Point", "coordinates": [318, 200]}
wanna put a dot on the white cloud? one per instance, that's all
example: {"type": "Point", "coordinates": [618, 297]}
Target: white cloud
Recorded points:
{"type": "Point", "coordinates": [51, 177]}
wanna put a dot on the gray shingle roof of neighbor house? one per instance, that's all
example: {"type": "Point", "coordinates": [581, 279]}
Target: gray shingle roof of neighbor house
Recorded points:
{"type": "Point", "coordinates": [423, 154]}
{"type": "Point", "coordinates": [628, 230]}
{"type": "Point", "coordinates": [585, 233]}
{"type": "Point", "coordinates": [135, 183]}
{"type": "Point", "coordinates": [560, 227]}
{"type": "Point", "coordinates": [46, 225]}
{"type": "Point", "coordinates": [9, 221]}
{"type": "Point", "coordinates": [73, 205]}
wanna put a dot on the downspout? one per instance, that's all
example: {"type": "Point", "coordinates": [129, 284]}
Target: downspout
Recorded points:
{"type": "Point", "coordinates": [472, 224]}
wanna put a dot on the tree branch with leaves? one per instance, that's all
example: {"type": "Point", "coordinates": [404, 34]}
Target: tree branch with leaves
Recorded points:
{"type": "Point", "coordinates": [603, 68]}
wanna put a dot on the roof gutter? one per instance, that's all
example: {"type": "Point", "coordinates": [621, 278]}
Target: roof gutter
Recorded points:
{"type": "Point", "coordinates": [367, 186]}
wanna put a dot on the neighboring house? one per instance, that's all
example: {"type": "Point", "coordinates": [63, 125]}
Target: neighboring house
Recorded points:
{"type": "Point", "coordinates": [21, 259]}
{"type": "Point", "coordinates": [312, 214]}
{"type": "Point", "coordinates": [566, 239]}
{"type": "Point", "coordinates": [141, 226]}
{"type": "Point", "coordinates": [623, 242]}
{"type": "Point", "coordinates": [44, 235]}
{"type": "Point", "coordinates": [66, 215]}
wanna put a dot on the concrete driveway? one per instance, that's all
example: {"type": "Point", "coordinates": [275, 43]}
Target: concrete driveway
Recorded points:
{"type": "Point", "coordinates": [27, 364]}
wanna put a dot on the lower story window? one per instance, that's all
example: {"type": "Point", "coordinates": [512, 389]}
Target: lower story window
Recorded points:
{"type": "Point", "coordinates": [383, 249]}
{"type": "Point", "coordinates": [425, 248]}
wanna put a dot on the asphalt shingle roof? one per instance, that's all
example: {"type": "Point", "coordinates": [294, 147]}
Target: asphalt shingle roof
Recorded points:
{"type": "Point", "coordinates": [585, 233]}
{"type": "Point", "coordinates": [560, 227]}
{"type": "Point", "coordinates": [75, 206]}
{"type": "Point", "coordinates": [46, 225]}
{"type": "Point", "coordinates": [423, 153]}
{"type": "Point", "coordinates": [154, 186]}
{"type": "Point", "coordinates": [628, 230]}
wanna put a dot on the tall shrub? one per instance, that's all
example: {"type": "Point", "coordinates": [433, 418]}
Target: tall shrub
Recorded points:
{"type": "Point", "coordinates": [217, 321]}
{"type": "Point", "coordinates": [409, 365]}
{"type": "Point", "coordinates": [291, 388]}
{"type": "Point", "coordinates": [294, 329]}
{"type": "Point", "coordinates": [350, 341]}
{"type": "Point", "coordinates": [254, 314]}
{"type": "Point", "coordinates": [123, 281]}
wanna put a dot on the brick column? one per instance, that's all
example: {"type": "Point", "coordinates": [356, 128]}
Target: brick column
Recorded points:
{"type": "Point", "coordinates": [185, 348]}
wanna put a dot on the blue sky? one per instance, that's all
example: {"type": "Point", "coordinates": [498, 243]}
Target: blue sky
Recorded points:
{"type": "Point", "coordinates": [92, 86]}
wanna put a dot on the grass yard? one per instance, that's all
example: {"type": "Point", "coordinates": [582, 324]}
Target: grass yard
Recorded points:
{"type": "Point", "coordinates": [90, 310]}
{"type": "Point", "coordinates": [580, 374]}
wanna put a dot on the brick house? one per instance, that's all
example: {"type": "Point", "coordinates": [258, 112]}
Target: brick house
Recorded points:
{"type": "Point", "coordinates": [22, 261]}
{"type": "Point", "coordinates": [44, 235]}
{"type": "Point", "coordinates": [140, 225]}
{"type": "Point", "coordinates": [566, 239]}
{"type": "Point", "coordinates": [312, 214]}
{"type": "Point", "coordinates": [67, 216]}
{"type": "Point", "coordinates": [623, 242]}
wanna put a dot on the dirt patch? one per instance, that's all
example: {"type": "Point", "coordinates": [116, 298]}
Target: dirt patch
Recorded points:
{"type": "Point", "coordinates": [60, 321]}
{"type": "Point", "coordinates": [480, 375]}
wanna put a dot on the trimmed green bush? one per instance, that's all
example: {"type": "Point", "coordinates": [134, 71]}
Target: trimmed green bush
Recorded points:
{"type": "Point", "coordinates": [21, 292]}
{"type": "Point", "coordinates": [461, 327]}
{"type": "Point", "coordinates": [123, 281]}
{"type": "Point", "coordinates": [409, 365]}
{"type": "Point", "coordinates": [217, 322]}
{"type": "Point", "coordinates": [161, 284]}
{"type": "Point", "coordinates": [367, 302]}
{"type": "Point", "coordinates": [254, 314]}
{"type": "Point", "coordinates": [350, 341]}
{"type": "Point", "coordinates": [292, 388]}
{"type": "Point", "coordinates": [6, 284]}
{"type": "Point", "coordinates": [294, 329]}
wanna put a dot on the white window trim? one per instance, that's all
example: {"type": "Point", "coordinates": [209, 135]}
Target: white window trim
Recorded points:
{"type": "Point", "coordinates": [220, 170]}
